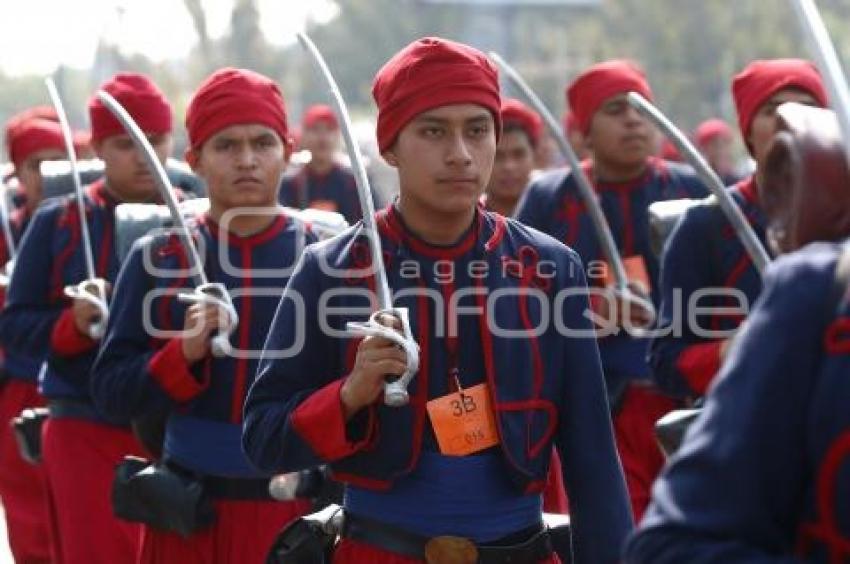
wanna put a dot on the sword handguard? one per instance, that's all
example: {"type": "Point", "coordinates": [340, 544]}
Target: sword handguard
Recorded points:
{"type": "Point", "coordinates": [216, 293]}
{"type": "Point", "coordinates": [92, 291]}
{"type": "Point", "coordinates": [395, 392]}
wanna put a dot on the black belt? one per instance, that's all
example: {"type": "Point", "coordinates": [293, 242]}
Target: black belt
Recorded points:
{"type": "Point", "coordinates": [72, 409]}
{"type": "Point", "coordinates": [219, 487]}
{"type": "Point", "coordinates": [530, 545]}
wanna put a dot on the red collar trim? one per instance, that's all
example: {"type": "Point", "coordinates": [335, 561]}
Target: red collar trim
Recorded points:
{"type": "Point", "coordinates": [627, 186]}
{"type": "Point", "coordinates": [97, 193]}
{"type": "Point", "coordinates": [268, 233]}
{"type": "Point", "coordinates": [394, 227]}
{"type": "Point", "coordinates": [748, 190]}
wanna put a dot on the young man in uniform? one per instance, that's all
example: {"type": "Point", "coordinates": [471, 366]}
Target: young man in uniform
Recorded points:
{"type": "Point", "coordinates": [714, 138]}
{"type": "Point", "coordinates": [240, 146]}
{"type": "Point", "coordinates": [322, 183]}
{"type": "Point", "coordinates": [627, 179]}
{"type": "Point", "coordinates": [521, 133]}
{"type": "Point", "coordinates": [763, 473]}
{"type": "Point", "coordinates": [704, 252]}
{"type": "Point", "coordinates": [81, 445]}
{"type": "Point", "coordinates": [30, 140]}
{"type": "Point", "coordinates": [413, 476]}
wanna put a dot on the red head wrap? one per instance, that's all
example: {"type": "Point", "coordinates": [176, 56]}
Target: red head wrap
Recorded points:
{"type": "Point", "coordinates": [232, 97]}
{"type": "Point", "coordinates": [31, 131]}
{"type": "Point", "coordinates": [760, 80]}
{"type": "Point", "coordinates": [430, 73]}
{"type": "Point", "coordinates": [145, 103]}
{"type": "Point", "coordinates": [515, 112]}
{"type": "Point", "coordinates": [319, 113]}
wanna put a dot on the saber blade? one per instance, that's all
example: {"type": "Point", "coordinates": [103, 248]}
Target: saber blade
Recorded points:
{"type": "Point", "coordinates": [733, 212]}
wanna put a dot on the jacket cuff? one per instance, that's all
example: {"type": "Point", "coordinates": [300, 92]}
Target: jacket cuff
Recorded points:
{"type": "Point", "coordinates": [320, 422]}
{"type": "Point", "coordinates": [168, 367]}
{"type": "Point", "coordinates": [66, 339]}
{"type": "Point", "coordinates": [698, 364]}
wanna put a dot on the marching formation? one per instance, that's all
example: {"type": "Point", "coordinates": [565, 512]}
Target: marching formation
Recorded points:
{"type": "Point", "coordinates": [233, 360]}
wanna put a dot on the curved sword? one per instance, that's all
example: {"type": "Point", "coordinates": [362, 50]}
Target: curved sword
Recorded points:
{"type": "Point", "coordinates": [743, 229]}
{"type": "Point", "coordinates": [92, 289]}
{"type": "Point", "coordinates": [585, 188]}
{"type": "Point", "coordinates": [207, 292]}
{"type": "Point", "coordinates": [395, 392]}
{"type": "Point", "coordinates": [836, 84]}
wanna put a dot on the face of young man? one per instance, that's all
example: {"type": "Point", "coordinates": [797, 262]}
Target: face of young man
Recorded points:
{"type": "Point", "coordinates": [619, 136]}
{"type": "Point", "coordinates": [127, 176]}
{"type": "Point", "coordinates": [513, 165]}
{"type": "Point", "coordinates": [321, 140]}
{"type": "Point", "coordinates": [718, 153]}
{"type": "Point", "coordinates": [242, 166]}
{"type": "Point", "coordinates": [763, 127]}
{"type": "Point", "coordinates": [29, 174]}
{"type": "Point", "coordinates": [444, 158]}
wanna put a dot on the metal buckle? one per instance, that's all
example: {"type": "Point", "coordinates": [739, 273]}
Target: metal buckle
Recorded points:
{"type": "Point", "coordinates": [450, 550]}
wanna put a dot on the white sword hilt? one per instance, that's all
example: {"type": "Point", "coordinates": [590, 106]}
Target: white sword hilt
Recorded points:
{"type": "Point", "coordinates": [395, 392]}
{"type": "Point", "coordinates": [215, 293]}
{"type": "Point", "coordinates": [92, 291]}
{"type": "Point", "coordinates": [6, 273]}
{"type": "Point", "coordinates": [630, 297]}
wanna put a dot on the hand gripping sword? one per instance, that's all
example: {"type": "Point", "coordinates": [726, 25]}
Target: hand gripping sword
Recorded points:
{"type": "Point", "coordinates": [92, 289]}
{"type": "Point", "coordinates": [395, 392]}
{"type": "Point", "coordinates": [600, 224]}
{"type": "Point", "coordinates": [836, 84]}
{"type": "Point", "coordinates": [205, 292]}
{"type": "Point", "coordinates": [743, 229]}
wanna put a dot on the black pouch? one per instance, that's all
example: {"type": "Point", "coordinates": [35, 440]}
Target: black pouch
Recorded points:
{"type": "Point", "coordinates": [27, 430]}
{"type": "Point", "coordinates": [160, 496]}
{"type": "Point", "coordinates": [308, 540]}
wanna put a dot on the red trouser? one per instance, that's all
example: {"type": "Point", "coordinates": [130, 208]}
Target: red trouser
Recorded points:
{"type": "Point", "coordinates": [353, 552]}
{"type": "Point", "coordinates": [243, 533]}
{"type": "Point", "coordinates": [22, 485]}
{"type": "Point", "coordinates": [634, 431]}
{"type": "Point", "coordinates": [79, 460]}
{"type": "Point", "coordinates": [554, 495]}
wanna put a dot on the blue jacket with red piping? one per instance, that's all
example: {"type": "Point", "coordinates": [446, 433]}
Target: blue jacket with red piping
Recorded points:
{"type": "Point", "coordinates": [141, 368]}
{"type": "Point", "coordinates": [545, 387]}
{"type": "Point", "coordinates": [15, 363]}
{"type": "Point", "coordinates": [334, 191]}
{"type": "Point", "coordinates": [763, 475]}
{"type": "Point", "coordinates": [553, 204]}
{"type": "Point", "coordinates": [37, 320]}
{"type": "Point", "coordinates": [703, 252]}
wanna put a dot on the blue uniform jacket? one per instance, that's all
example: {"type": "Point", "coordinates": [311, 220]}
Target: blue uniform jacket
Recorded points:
{"type": "Point", "coordinates": [763, 475]}
{"type": "Point", "coordinates": [554, 205]}
{"type": "Point", "coordinates": [16, 364]}
{"type": "Point", "coordinates": [703, 252]}
{"type": "Point", "coordinates": [37, 321]}
{"type": "Point", "coordinates": [334, 191]}
{"type": "Point", "coordinates": [545, 388]}
{"type": "Point", "coordinates": [141, 369]}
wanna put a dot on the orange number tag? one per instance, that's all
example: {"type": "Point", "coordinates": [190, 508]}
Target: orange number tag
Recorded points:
{"type": "Point", "coordinates": [635, 269]}
{"type": "Point", "coordinates": [463, 421]}
{"type": "Point", "coordinates": [325, 205]}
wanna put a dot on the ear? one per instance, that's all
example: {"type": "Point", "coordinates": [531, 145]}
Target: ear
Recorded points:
{"type": "Point", "coordinates": [192, 156]}
{"type": "Point", "coordinates": [390, 157]}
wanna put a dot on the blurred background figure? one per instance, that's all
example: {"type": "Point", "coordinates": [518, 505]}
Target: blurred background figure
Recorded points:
{"type": "Point", "coordinates": [714, 139]}
{"type": "Point", "coordinates": [522, 131]}
{"type": "Point", "coordinates": [321, 182]}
